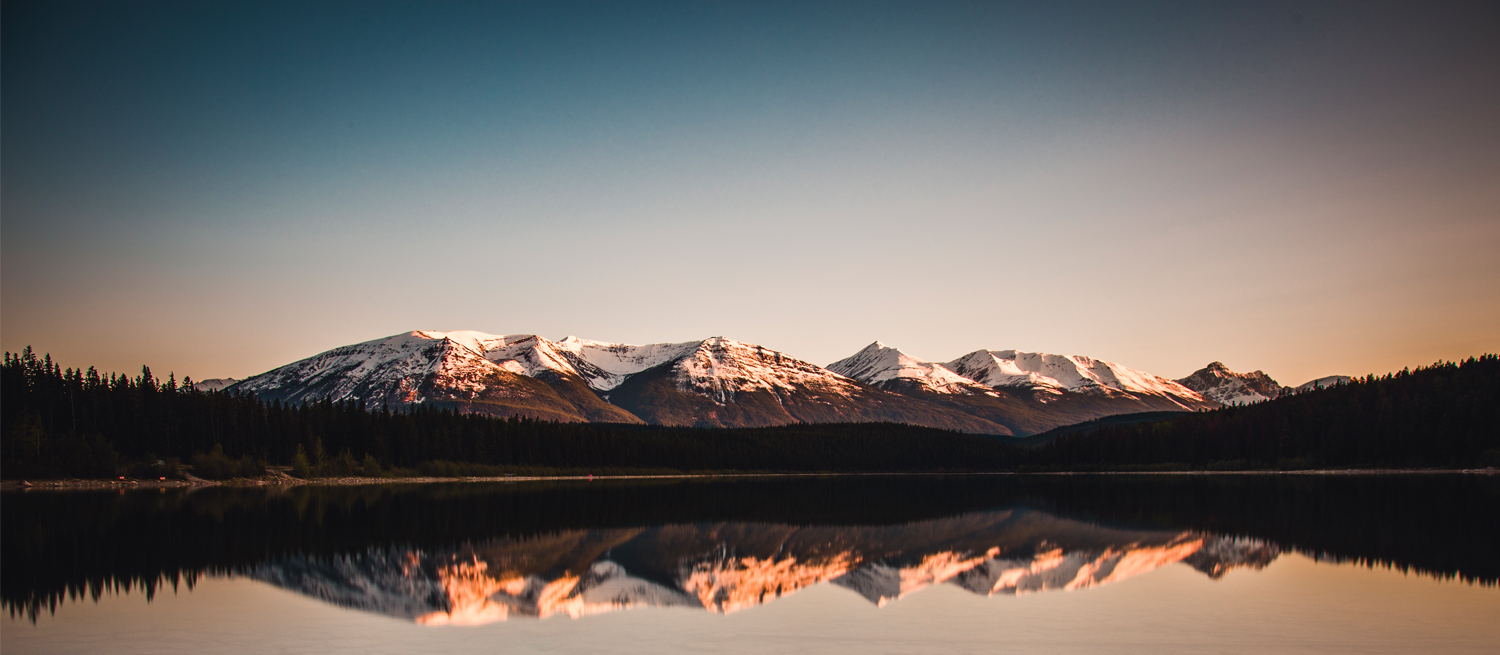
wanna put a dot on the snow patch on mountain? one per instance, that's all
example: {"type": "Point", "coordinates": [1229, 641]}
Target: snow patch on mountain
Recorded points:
{"type": "Point", "coordinates": [527, 354]}
{"type": "Point", "coordinates": [394, 582]}
{"type": "Point", "coordinates": [1219, 384]}
{"type": "Point", "coordinates": [390, 370]}
{"type": "Point", "coordinates": [213, 384]}
{"type": "Point", "coordinates": [1325, 382]}
{"type": "Point", "coordinates": [1220, 555]}
{"type": "Point", "coordinates": [878, 363]}
{"type": "Point", "coordinates": [1059, 569]}
{"type": "Point", "coordinates": [1056, 373]}
{"type": "Point", "coordinates": [719, 368]}
{"type": "Point", "coordinates": [606, 365]}
{"type": "Point", "coordinates": [724, 582]}
{"type": "Point", "coordinates": [457, 590]}
{"type": "Point", "coordinates": [604, 587]}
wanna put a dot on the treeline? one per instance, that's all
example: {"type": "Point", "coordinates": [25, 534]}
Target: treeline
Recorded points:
{"type": "Point", "coordinates": [61, 422]}
{"type": "Point", "coordinates": [1444, 415]}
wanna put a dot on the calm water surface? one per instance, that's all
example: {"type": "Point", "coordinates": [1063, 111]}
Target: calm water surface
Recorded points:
{"type": "Point", "coordinates": [1153, 564]}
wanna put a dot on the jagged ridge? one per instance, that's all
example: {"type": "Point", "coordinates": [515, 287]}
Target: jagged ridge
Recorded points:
{"type": "Point", "coordinates": [719, 382]}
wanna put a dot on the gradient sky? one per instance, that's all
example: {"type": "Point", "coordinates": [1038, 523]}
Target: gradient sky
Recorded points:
{"type": "Point", "coordinates": [217, 189]}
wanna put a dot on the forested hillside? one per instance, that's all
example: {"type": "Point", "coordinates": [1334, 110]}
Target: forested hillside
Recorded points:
{"type": "Point", "coordinates": [1444, 415]}
{"type": "Point", "coordinates": [68, 422]}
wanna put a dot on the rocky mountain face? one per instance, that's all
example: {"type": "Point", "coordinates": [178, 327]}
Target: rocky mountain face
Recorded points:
{"type": "Point", "coordinates": [1221, 385]}
{"type": "Point", "coordinates": [443, 369]}
{"type": "Point", "coordinates": [724, 383]}
{"type": "Point", "coordinates": [1216, 382]}
{"type": "Point", "coordinates": [728, 567]}
{"type": "Point", "coordinates": [1026, 392]}
{"type": "Point", "coordinates": [720, 382]}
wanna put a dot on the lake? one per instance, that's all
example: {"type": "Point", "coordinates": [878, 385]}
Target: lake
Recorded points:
{"type": "Point", "coordinates": [858, 564]}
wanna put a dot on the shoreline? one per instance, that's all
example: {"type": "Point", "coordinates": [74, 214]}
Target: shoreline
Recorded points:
{"type": "Point", "coordinates": [283, 480]}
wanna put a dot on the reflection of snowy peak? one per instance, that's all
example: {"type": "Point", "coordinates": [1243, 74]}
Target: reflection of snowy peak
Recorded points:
{"type": "Point", "coordinates": [727, 567]}
{"type": "Point", "coordinates": [1219, 384]}
{"type": "Point", "coordinates": [476, 597]}
{"type": "Point", "coordinates": [1079, 569]}
{"type": "Point", "coordinates": [394, 582]}
{"type": "Point", "coordinates": [458, 590]}
{"type": "Point", "coordinates": [724, 582]}
{"type": "Point", "coordinates": [1219, 556]}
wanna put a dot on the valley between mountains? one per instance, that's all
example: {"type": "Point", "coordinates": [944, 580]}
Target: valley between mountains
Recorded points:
{"type": "Point", "coordinates": [719, 382]}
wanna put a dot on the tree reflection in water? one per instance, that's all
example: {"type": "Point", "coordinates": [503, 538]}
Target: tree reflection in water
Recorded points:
{"type": "Point", "coordinates": [471, 553]}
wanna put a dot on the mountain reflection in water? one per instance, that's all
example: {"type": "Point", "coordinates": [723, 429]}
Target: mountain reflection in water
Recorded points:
{"type": "Point", "coordinates": [726, 567]}
{"type": "Point", "coordinates": [475, 552]}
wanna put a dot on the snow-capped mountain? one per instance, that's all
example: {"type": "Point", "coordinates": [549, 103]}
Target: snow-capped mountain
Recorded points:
{"type": "Point", "coordinates": [1056, 374]}
{"type": "Point", "coordinates": [1216, 382]}
{"type": "Point", "coordinates": [883, 366]}
{"type": "Point", "coordinates": [606, 365]}
{"type": "Point", "coordinates": [1026, 392]}
{"type": "Point", "coordinates": [213, 384]}
{"type": "Point", "coordinates": [719, 382]}
{"type": "Point", "coordinates": [442, 368]}
{"type": "Point", "coordinates": [1324, 382]}
{"type": "Point", "coordinates": [715, 382]}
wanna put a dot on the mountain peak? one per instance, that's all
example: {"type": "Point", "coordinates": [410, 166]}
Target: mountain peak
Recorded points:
{"type": "Point", "coordinates": [1054, 374]}
{"type": "Point", "coordinates": [1219, 384]}
{"type": "Point", "coordinates": [878, 364]}
{"type": "Point", "coordinates": [1324, 382]}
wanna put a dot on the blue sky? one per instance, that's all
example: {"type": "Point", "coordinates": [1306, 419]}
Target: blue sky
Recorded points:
{"type": "Point", "coordinates": [219, 188]}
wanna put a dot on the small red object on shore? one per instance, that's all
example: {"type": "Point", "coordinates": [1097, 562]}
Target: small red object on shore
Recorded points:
{"type": "Point", "coordinates": [162, 478]}
{"type": "Point", "coordinates": [122, 477]}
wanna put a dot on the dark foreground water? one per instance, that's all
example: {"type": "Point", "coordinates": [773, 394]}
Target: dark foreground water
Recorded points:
{"type": "Point", "coordinates": [1151, 564]}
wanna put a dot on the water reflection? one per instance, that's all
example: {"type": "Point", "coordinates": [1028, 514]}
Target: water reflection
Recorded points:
{"type": "Point", "coordinates": [727, 567]}
{"type": "Point", "coordinates": [478, 553]}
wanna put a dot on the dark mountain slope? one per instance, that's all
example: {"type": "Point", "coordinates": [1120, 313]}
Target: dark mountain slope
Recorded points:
{"type": "Point", "coordinates": [656, 395]}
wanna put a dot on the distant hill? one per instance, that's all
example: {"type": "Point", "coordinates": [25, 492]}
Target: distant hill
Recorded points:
{"type": "Point", "coordinates": [214, 384]}
{"type": "Point", "coordinates": [1094, 426]}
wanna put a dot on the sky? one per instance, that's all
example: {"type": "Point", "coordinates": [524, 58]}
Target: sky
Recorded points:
{"type": "Point", "coordinates": [217, 189]}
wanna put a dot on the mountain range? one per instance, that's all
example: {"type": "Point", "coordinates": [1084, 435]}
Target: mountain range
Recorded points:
{"type": "Point", "coordinates": [719, 382]}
